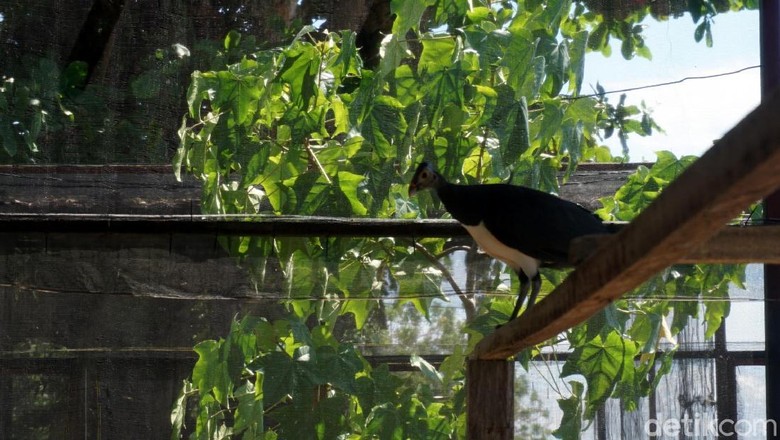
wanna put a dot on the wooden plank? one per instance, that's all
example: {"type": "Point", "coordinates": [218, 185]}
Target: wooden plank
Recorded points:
{"type": "Point", "coordinates": [257, 225]}
{"type": "Point", "coordinates": [491, 399]}
{"type": "Point", "coordinates": [732, 245]}
{"type": "Point", "coordinates": [741, 168]}
{"type": "Point", "coordinates": [153, 189]}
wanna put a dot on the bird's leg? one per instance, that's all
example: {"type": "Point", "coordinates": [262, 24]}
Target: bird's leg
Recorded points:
{"type": "Point", "coordinates": [536, 285]}
{"type": "Point", "coordinates": [521, 293]}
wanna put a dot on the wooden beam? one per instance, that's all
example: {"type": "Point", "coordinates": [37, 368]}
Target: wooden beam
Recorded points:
{"type": "Point", "coordinates": [732, 245]}
{"type": "Point", "coordinates": [241, 225]}
{"type": "Point", "coordinates": [491, 399]}
{"type": "Point", "coordinates": [741, 168]}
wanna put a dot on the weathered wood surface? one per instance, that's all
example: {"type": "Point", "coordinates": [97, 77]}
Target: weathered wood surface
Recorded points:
{"type": "Point", "coordinates": [741, 168]}
{"type": "Point", "coordinates": [96, 189]}
{"type": "Point", "coordinates": [731, 245]}
{"type": "Point", "coordinates": [261, 225]}
{"type": "Point", "coordinates": [491, 399]}
{"type": "Point", "coordinates": [152, 189]}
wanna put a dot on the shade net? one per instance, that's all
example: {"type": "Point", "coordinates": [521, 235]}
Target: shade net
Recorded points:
{"type": "Point", "coordinates": [98, 319]}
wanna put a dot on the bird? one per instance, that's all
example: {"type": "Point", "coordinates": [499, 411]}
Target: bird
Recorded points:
{"type": "Point", "coordinates": [520, 226]}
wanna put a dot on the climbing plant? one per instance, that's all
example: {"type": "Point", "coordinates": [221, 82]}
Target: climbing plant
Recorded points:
{"type": "Point", "coordinates": [488, 92]}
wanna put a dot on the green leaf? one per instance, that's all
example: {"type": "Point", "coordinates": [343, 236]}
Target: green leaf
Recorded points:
{"type": "Point", "coordinates": [210, 372]}
{"type": "Point", "coordinates": [180, 410]}
{"type": "Point", "coordinates": [552, 116]}
{"type": "Point", "coordinates": [604, 362]}
{"type": "Point", "coordinates": [384, 124]}
{"type": "Point", "coordinates": [437, 54]}
{"type": "Point", "coordinates": [645, 331]}
{"type": "Point", "coordinates": [197, 91]}
{"type": "Point", "coordinates": [232, 39]}
{"type": "Point", "coordinates": [627, 48]}
{"type": "Point", "coordinates": [74, 78]}
{"type": "Point", "coordinates": [714, 314]}
{"type": "Point", "coordinates": [479, 13]}
{"type": "Point", "coordinates": [392, 52]}
{"type": "Point", "coordinates": [8, 138]}
{"type": "Point", "coordinates": [300, 69]}
{"type": "Point", "coordinates": [248, 419]}
{"type": "Point", "coordinates": [348, 183]}
{"type": "Point", "coordinates": [521, 71]}
{"type": "Point", "coordinates": [428, 370]}
{"type": "Point", "coordinates": [384, 422]}
{"type": "Point", "coordinates": [577, 52]}
{"type": "Point", "coordinates": [519, 138]}
{"type": "Point", "coordinates": [572, 408]}
{"type": "Point", "coordinates": [283, 377]}
{"type": "Point", "coordinates": [407, 14]}
{"type": "Point", "coordinates": [339, 368]}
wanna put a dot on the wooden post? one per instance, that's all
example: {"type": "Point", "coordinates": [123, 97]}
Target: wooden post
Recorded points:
{"type": "Point", "coordinates": [769, 18]}
{"type": "Point", "coordinates": [491, 399]}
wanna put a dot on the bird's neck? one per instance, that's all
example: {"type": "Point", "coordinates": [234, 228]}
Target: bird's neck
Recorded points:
{"type": "Point", "coordinates": [459, 203]}
{"type": "Point", "coordinates": [440, 182]}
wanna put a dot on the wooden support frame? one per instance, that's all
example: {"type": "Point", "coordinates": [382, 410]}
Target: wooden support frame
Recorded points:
{"type": "Point", "coordinates": [734, 244]}
{"type": "Point", "coordinates": [491, 383]}
{"type": "Point", "coordinates": [731, 245]}
{"type": "Point", "coordinates": [740, 169]}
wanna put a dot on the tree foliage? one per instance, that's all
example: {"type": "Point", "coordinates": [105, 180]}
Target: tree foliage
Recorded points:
{"type": "Point", "coordinates": [488, 93]}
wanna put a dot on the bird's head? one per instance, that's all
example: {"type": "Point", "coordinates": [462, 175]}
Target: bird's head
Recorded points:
{"type": "Point", "coordinates": [425, 177]}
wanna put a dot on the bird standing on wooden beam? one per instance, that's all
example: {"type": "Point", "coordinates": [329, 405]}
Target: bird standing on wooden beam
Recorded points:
{"type": "Point", "coordinates": [520, 226]}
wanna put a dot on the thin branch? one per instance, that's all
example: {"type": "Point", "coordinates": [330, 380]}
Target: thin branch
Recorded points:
{"type": "Point", "coordinates": [314, 158]}
{"type": "Point", "coordinates": [447, 251]}
{"type": "Point", "coordinates": [468, 305]}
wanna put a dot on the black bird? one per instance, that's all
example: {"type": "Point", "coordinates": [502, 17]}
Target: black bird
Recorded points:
{"type": "Point", "coordinates": [520, 226]}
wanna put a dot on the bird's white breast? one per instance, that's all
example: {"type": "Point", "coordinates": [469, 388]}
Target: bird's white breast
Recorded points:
{"type": "Point", "coordinates": [493, 247]}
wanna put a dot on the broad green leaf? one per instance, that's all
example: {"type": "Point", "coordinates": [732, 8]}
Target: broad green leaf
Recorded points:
{"type": "Point", "coordinates": [519, 137]}
{"type": "Point", "coordinates": [572, 408]}
{"type": "Point", "coordinates": [714, 314]}
{"type": "Point", "coordinates": [521, 74]}
{"type": "Point", "coordinates": [347, 62]}
{"type": "Point", "coordinates": [384, 422]}
{"type": "Point", "coordinates": [437, 54]}
{"type": "Point", "coordinates": [8, 138]}
{"type": "Point", "coordinates": [408, 86]}
{"type": "Point", "coordinates": [249, 413]}
{"type": "Point", "coordinates": [180, 410]}
{"type": "Point", "coordinates": [552, 116]}
{"type": "Point", "coordinates": [283, 377]}
{"type": "Point", "coordinates": [604, 362]}
{"type": "Point", "coordinates": [698, 34]}
{"type": "Point", "coordinates": [393, 51]}
{"type": "Point", "coordinates": [577, 52]}
{"type": "Point", "coordinates": [210, 373]}
{"type": "Point", "coordinates": [300, 70]}
{"type": "Point", "coordinates": [232, 39]}
{"type": "Point", "coordinates": [384, 124]}
{"type": "Point", "coordinates": [428, 370]}
{"type": "Point", "coordinates": [339, 367]}
{"type": "Point", "coordinates": [349, 183]}
{"type": "Point", "coordinates": [479, 13]}
{"type": "Point", "coordinates": [646, 331]}
{"type": "Point", "coordinates": [408, 14]}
